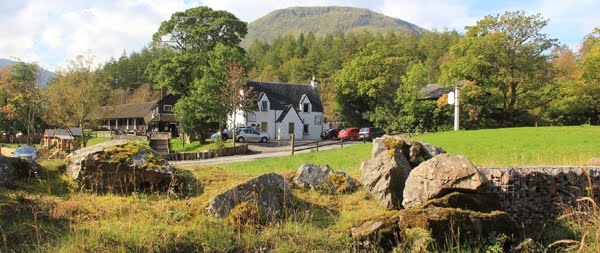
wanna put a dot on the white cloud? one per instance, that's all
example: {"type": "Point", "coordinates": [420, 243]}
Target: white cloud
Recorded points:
{"type": "Point", "coordinates": [429, 14]}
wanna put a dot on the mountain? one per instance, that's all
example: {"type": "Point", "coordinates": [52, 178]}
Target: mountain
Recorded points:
{"type": "Point", "coordinates": [322, 21]}
{"type": "Point", "coordinates": [45, 75]}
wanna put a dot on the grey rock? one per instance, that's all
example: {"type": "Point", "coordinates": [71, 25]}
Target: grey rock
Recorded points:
{"type": "Point", "coordinates": [16, 168]}
{"type": "Point", "coordinates": [139, 168]}
{"type": "Point", "coordinates": [269, 192]}
{"type": "Point", "coordinates": [439, 176]}
{"type": "Point", "coordinates": [323, 178]}
{"type": "Point", "coordinates": [384, 177]}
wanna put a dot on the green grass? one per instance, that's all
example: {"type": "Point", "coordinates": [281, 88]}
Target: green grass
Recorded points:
{"type": "Point", "coordinates": [176, 145]}
{"type": "Point", "coordinates": [97, 140]}
{"type": "Point", "coordinates": [347, 159]}
{"type": "Point", "coordinates": [572, 145]}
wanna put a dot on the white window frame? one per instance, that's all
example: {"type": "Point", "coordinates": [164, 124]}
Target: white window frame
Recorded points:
{"type": "Point", "coordinates": [168, 106]}
{"type": "Point", "coordinates": [306, 106]}
{"type": "Point", "coordinates": [264, 105]}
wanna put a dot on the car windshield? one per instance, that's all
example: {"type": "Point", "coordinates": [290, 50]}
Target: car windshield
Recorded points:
{"type": "Point", "coordinates": [25, 151]}
{"type": "Point", "coordinates": [364, 130]}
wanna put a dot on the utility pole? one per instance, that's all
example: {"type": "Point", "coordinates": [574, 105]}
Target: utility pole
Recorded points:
{"type": "Point", "coordinates": [456, 109]}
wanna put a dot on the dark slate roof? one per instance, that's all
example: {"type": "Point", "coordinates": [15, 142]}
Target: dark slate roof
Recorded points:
{"type": "Point", "coordinates": [64, 133]}
{"type": "Point", "coordinates": [282, 94]}
{"type": "Point", "coordinates": [432, 91]}
{"type": "Point", "coordinates": [122, 111]}
{"type": "Point", "coordinates": [285, 112]}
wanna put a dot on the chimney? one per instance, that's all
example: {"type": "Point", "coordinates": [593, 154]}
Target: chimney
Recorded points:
{"type": "Point", "coordinates": [163, 92]}
{"type": "Point", "coordinates": [314, 82]}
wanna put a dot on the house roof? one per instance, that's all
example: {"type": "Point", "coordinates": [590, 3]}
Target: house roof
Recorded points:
{"type": "Point", "coordinates": [122, 111]}
{"type": "Point", "coordinates": [282, 94]}
{"type": "Point", "coordinates": [285, 113]}
{"type": "Point", "coordinates": [64, 133]}
{"type": "Point", "coordinates": [432, 91]}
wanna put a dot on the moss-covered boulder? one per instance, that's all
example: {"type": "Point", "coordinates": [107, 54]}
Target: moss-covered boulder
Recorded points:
{"type": "Point", "coordinates": [386, 231]}
{"type": "Point", "coordinates": [269, 192]}
{"type": "Point", "coordinates": [479, 202]}
{"type": "Point", "coordinates": [16, 168]}
{"type": "Point", "coordinates": [126, 167]}
{"type": "Point", "coordinates": [324, 179]}
{"type": "Point", "coordinates": [439, 176]}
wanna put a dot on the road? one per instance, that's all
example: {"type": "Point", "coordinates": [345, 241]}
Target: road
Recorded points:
{"type": "Point", "coordinates": [260, 151]}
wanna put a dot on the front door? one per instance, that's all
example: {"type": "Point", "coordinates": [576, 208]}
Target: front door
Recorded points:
{"type": "Point", "coordinates": [291, 129]}
{"type": "Point", "coordinates": [263, 127]}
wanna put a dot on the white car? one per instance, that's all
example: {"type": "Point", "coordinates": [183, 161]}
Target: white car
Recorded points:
{"type": "Point", "coordinates": [227, 133]}
{"type": "Point", "coordinates": [247, 135]}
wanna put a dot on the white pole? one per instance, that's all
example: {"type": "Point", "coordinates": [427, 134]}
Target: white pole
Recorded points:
{"type": "Point", "coordinates": [456, 109]}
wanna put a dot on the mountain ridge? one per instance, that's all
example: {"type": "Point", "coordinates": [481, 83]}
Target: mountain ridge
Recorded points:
{"type": "Point", "coordinates": [45, 75]}
{"type": "Point", "coordinates": [322, 21]}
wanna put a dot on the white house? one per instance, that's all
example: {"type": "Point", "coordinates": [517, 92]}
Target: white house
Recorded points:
{"type": "Point", "coordinates": [283, 109]}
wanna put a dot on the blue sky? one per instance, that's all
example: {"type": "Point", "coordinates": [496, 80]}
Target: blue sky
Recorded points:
{"type": "Point", "coordinates": [54, 32]}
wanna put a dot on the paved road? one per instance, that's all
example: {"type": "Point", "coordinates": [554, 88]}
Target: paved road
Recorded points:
{"type": "Point", "coordinates": [258, 151]}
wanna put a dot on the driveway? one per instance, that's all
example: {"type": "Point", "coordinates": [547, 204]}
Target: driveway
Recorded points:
{"type": "Point", "coordinates": [263, 150]}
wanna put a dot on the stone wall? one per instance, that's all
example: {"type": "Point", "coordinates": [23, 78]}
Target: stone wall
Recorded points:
{"type": "Point", "coordinates": [536, 195]}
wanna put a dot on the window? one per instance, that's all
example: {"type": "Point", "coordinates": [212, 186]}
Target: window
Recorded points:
{"type": "Point", "coordinates": [167, 108]}
{"type": "Point", "coordinates": [306, 107]}
{"type": "Point", "coordinates": [264, 105]}
{"type": "Point", "coordinates": [251, 117]}
{"type": "Point", "coordinates": [317, 120]}
{"type": "Point", "coordinates": [305, 128]}
{"type": "Point", "coordinates": [263, 127]}
{"type": "Point", "coordinates": [291, 128]}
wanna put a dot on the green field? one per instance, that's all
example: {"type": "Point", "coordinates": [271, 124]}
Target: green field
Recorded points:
{"type": "Point", "coordinates": [573, 145]}
{"type": "Point", "coordinates": [347, 159]}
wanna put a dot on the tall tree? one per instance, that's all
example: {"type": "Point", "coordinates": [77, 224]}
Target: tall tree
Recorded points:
{"type": "Point", "coordinates": [504, 54]}
{"type": "Point", "coordinates": [75, 93]}
{"type": "Point", "coordinates": [21, 109]}
{"type": "Point", "coordinates": [191, 36]}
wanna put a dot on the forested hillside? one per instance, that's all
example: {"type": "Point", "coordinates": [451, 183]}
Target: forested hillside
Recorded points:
{"type": "Point", "coordinates": [322, 21]}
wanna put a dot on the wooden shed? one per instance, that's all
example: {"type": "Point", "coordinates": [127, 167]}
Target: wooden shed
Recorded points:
{"type": "Point", "coordinates": [63, 139]}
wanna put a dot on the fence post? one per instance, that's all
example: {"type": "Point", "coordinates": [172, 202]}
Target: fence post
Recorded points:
{"type": "Point", "coordinates": [293, 143]}
{"type": "Point", "coordinates": [342, 142]}
{"type": "Point", "coordinates": [317, 145]}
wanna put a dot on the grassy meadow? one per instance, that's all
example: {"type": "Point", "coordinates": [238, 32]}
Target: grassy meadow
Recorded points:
{"type": "Point", "coordinates": [51, 213]}
{"type": "Point", "coordinates": [195, 146]}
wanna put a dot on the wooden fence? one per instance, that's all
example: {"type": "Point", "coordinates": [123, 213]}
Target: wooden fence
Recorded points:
{"type": "Point", "coordinates": [312, 144]}
{"type": "Point", "coordinates": [207, 154]}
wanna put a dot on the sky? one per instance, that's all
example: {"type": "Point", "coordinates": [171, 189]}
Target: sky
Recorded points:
{"type": "Point", "coordinates": [52, 33]}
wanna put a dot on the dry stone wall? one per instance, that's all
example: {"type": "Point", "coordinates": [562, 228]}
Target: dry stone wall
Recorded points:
{"type": "Point", "coordinates": [536, 195]}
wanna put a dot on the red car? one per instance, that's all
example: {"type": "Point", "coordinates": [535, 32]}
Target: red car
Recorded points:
{"type": "Point", "coordinates": [350, 133]}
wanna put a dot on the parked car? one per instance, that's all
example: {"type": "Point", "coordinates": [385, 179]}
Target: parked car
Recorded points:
{"type": "Point", "coordinates": [28, 152]}
{"type": "Point", "coordinates": [350, 133]}
{"type": "Point", "coordinates": [330, 134]}
{"type": "Point", "coordinates": [370, 133]}
{"type": "Point", "coordinates": [228, 133]}
{"type": "Point", "coordinates": [247, 135]}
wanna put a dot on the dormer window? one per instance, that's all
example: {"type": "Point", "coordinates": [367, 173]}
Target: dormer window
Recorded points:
{"type": "Point", "coordinates": [167, 108]}
{"type": "Point", "coordinates": [264, 105]}
{"type": "Point", "coordinates": [306, 107]}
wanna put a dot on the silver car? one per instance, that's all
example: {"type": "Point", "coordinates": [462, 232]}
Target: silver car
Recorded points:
{"type": "Point", "coordinates": [247, 135]}
{"type": "Point", "coordinates": [28, 153]}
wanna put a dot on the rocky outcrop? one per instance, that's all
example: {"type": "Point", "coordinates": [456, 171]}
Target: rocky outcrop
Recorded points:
{"type": "Point", "coordinates": [120, 167]}
{"type": "Point", "coordinates": [393, 158]}
{"type": "Point", "coordinates": [269, 192]}
{"type": "Point", "coordinates": [324, 179]}
{"type": "Point", "coordinates": [384, 177]}
{"type": "Point", "coordinates": [439, 176]}
{"type": "Point", "coordinates": [15, 168]}
{"type": "Point", "coordinates": [389, 229]}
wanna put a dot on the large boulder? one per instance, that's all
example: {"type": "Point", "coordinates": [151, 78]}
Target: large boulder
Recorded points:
{"type": "Point", "coordinates": [120, 167]}
{"type": "Point", "coordinates": [393, 158]}
{"type": "Point", "coordinates": [439, 176]}
{"type": "Point", "coordinates": [414, 151]}
{"type": "Point", "coordinates": [269, 192]}
{"type": "Point", "coordinates": [384, 177]}
{"type": "Point", "coordinates": [16, 168]}
{"type": "Point", "coordinates": [324, 179]}
{"type": "Point", "coordinates": [387, 230]}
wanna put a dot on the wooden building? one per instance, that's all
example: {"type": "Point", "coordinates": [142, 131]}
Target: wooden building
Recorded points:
{"type": "Point", "coordinates": [63, 139]}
